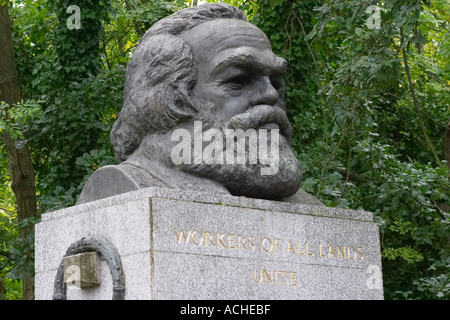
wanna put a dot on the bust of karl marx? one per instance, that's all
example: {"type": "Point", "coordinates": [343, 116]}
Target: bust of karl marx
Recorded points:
{"type": "Point", "coordinates": [207, 65]}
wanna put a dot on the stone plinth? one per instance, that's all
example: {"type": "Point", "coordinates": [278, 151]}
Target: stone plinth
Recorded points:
{"type": "Point", "coordinates": [177, 244]}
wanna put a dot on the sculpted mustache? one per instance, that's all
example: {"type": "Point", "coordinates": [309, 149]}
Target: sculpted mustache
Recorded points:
{"type": "Point", "coordinates": [259, 115]}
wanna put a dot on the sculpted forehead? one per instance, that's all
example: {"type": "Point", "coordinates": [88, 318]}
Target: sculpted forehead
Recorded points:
{"type": "Point", "coordinates": [211, 38]}
{"type": "Point", "coordinates": [222, 43]}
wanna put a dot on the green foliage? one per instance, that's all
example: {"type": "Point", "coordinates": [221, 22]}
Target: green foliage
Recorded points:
{"type": "Point", "coordinates": [363, 142]}
{"type": "Point", "coordinates": [76, 51]}
{"type": "Point", "coordinates": [8, 234]}
{"type": "Point", "coordinates": [145, 14]}
{"type": "Point", "coordinates": [13, 118]}
{"type": "Point", "coordinates": [72, 86]}
{"type": "Point", "coordinates": [78, 121]}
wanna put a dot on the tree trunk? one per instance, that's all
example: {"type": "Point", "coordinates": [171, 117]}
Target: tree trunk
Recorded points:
{"type": "Point", "coordinates": [21, 168]}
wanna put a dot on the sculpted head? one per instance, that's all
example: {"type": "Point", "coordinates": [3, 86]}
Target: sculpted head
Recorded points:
{"type": "Point", "coordinates": [208, 64]}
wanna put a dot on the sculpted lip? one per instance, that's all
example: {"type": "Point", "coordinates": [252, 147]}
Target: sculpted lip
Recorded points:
{"type": "Point", "coordinates": [262, 117]}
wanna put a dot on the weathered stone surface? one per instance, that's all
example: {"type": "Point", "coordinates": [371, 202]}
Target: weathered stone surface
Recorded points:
{"type": "Point", "coordinates": [178, 244]}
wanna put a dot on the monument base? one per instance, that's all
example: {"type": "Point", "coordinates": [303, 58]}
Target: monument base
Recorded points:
{"type": "Point", "coordinates": [161, 243]}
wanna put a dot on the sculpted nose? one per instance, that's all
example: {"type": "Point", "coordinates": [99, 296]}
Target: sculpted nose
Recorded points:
{"type": "Point", "coordinates": [265, 93]}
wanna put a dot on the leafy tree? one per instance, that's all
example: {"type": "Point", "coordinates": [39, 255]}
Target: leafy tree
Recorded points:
{"type": "Point", "coordinates": [374, 104]}
{"type": "Point", "coordinates": [71, 84]}
{"type": "Point", "coordinates": [21, 170]}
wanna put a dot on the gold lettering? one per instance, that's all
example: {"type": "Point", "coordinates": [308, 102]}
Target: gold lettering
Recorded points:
{"type": "Point", "coordinates": [271, 277]}
{"type": "Point", "coordinates": [208, 237]}
{"type": "Point", "coordinates": [348, 253]}
{"type": "Point", "coordinates": [260, 275]}
{"type": "Point", "coordinates": [230, 241]}
{"type": "Point", "coordinates": [283, 273]}
{"type": "Point", "coordinates": [298, 248]}
{"type": "Point", "coordinates": [307, 252]}
{"type": "Point", "coordinates": [292, 278]}
{"type": "Point", "coordinates": [340, 251]}
{"type": "Point", "coordinates": [331, 251]}
{"type": "Point", "coordinates": [271, 245]}
{"type": "Point", "coordinates": [266, 276]}
{"type": "Point", "coordinates": [290, 247]}
{"type": "Point", "coordinates": [277, 245]}
{"type": "Point", "coordinates": [360, 253]}
{"type": "Point", "coordinates": [241, 241]}
{"type": "Point", "coordinates": [186, 239]}
{"type": "Point", "coordinates": [201, 238]}
{"type": "Point", "coordinates": [251, 242]}
{"type": "Point", "coordinates": [219, 240]}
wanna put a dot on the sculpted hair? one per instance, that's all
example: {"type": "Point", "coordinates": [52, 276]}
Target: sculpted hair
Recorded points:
{"type": "Point", "coordinates": [160, 77]}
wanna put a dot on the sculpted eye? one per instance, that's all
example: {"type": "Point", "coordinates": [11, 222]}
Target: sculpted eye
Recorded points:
{"type": "Point", "coordinates": [237, 82]}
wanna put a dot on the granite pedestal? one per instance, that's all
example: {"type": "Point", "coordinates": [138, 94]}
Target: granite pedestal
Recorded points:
{"type": "Point", "coordinates": [173, 244]}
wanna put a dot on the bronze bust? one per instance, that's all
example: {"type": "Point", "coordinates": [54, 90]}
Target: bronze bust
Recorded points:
{"type": "Point", "coordinates": [208, 65]}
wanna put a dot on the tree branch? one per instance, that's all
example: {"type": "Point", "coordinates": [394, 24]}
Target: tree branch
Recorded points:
{"type": "Point", "coordinates": [416, 104]}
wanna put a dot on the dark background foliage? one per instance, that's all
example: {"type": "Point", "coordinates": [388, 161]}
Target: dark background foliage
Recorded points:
{"type": "Point", "coordinates": [369, 107]}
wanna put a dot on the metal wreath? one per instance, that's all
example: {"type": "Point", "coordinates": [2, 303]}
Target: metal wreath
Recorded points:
{"type": "Point", "coordinates": [103, 247]}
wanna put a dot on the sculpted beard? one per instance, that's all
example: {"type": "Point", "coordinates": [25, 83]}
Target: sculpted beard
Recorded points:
{"type": "Point", "coordinates": [246, 179]}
